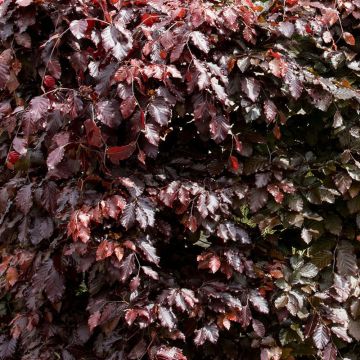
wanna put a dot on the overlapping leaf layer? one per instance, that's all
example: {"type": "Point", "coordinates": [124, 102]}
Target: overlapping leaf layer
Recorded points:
{"type": "Point", "coordinates": [179, 179]}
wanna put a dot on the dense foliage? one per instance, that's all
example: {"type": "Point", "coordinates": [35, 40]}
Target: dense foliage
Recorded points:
{"type": "Point", "coordinates": [179, 179]}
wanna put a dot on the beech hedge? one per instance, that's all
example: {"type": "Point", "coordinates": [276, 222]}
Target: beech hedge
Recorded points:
{"type": "Point", "coordinates": [179, 179]}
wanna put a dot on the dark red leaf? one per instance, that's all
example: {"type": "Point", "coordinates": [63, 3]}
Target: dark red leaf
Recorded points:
{"type": "Point", "coordinates": [49, 81]}
{"type": "Point", "coordinates": [349, 38]}
{"type": "Point", "coordinates": [128, 106]}
{"type": "Point", "coordinates": [234, 163]}
{"type": "Point", "coordinates": [149, 19]}
{"type": "Point", "coordinates": [104, 250]}
{"type": "Point", "coordinates": [93, 133]}
{"type": "Point", "coordinates": [94, 319]}
{"type": "Point", "coordinates": [209, 261]}
{"type": "Point", "coordinates": [118, 153]}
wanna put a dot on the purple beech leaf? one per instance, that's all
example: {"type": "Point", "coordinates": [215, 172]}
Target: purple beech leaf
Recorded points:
{"type": "Point", "coordinates": [219, 128]}
{"type": "Point", "coordinates": [128, 216]}
{"type": "Point", "coordinates": [178, 49]}
{"type": "Point", "coordinates": [251, 88]}
{"type": "Point", "coordinates": [43, 229]}
{"type": "Point", "coordinates": [152, 134]}
{"type": "Point", "coordinates": [349, 38]}
{"type": "Point", "coordinates": [243, 63]}
{"type": "Point", "coordinates": [202, 206]}
{"type": "Point", "coordinates": [245, 316]}
{"type": "Point", "coordinates": [128, 106]}
{"type": "Point", "coordinates": [24, 3]}
{"type": "Point", "coordinates": [321, 336]}
{"type": "Point", "coordinates": [160, 111]}
{"type": "Point", "coordinates": [338, 120]}
{"type": "Point", "coordinates": [149, 251]}
{"type": "Point", "coordinates": [212, 202]}
{"type": "Point", "coordinates": [200, 41]}
{"type": "Point", "coordinates": [138, 350]}
{"type": "Point", "coordinates": [270, 110]}
{"type": "Point", "coordinates": [354, 329]}
{"type": "Point", "coordinates": [78, 28]}
{"type": "Point", "coordinates": [257, 199]}
{"type": "Point", "coordinates": [23, 199]}
{"type": "Point", "coordinates": [54, 286]}
{"type": "Point", "coordinates": [124, 91]}
{"type": "Point", "coordinates": [346, 261]}
{"type": "Point", "coordinates": [38, 107]}
{"type": "Point", "coordinates": [327, 37]}
{"type": "Point", "coordinates": [93, 320]}
{"type": "Point", "coordinates": [330, 352]}
{"type": "Point", "coordinates": [150, 272]}
{"type": "Point", "coordinates": [54, 68]}
{"type": "Point", "coordinates": [166, 317]}
{"type": "Point", "coordinates": [286, 28]}
{"type": "Point", "coordinates": [259, 303]}
{"type": "Point", "coordinates": [145, 213]}
{"type": "Point", "coordinates": [219, 90]}
{"type": "Point", "coordinates": [104, 78]}
{"type": "Point", "coordinates": [117, 40]}
{"type": "Point", "coordinates": [203, 80]}
{"type": "Point", "coordinates": [7, 347]}
{"type": "Point", "coordinates": [258, 327]}
{"type": "Point", "coordinates": [20, 145]}
{"type": "Point", "coordinates": [108, 113]}
{"type": "Point", "coordinates": [342, 182]}
{"type": "Point", "coordinates": [50, 196]}
{"type": "Point", "coordinates": [127, 267]}
{"type": "Point", "coordinates": [230, 231]}
{"type": "Point", "coordinates": [295, 85]}
{"type": "Point", "coordinates": [119, 153]}
{"type": "Point", "coordinates": [341, 333]}
{"type": "Point", "coordinates": [4, 75]}
{"type": "Point", "coordinates": [168, 353]}
{"type": "Point", "coordinates": [207, 333]}
{"type": "Point", "coordinates": [55, 157]}
{"type": "Point", "coordinates": [184, 299]}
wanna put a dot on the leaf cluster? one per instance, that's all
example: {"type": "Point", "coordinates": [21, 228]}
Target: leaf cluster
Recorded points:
{"type": "Point", "coordinates": [179, 179]}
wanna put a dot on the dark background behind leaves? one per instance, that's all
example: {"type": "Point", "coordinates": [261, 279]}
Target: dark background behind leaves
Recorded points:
{"type": "Point", "coordinates": [179, 180]}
